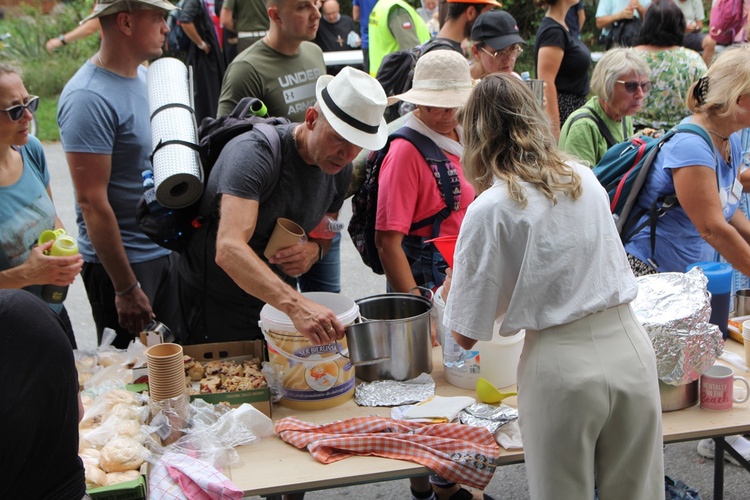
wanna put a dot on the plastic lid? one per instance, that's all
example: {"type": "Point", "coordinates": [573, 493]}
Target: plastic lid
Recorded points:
{"type": "Point", "coordinates": [719, 275]}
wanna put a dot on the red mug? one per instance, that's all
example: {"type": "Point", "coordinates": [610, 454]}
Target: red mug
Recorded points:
{"type": "Point", "coordinates": [717, 387]}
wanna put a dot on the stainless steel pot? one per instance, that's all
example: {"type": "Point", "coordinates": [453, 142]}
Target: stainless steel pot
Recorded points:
{"type": "Point", "coordinates": [367, 343]}
{"type": "Point", "coordinates": [406, 321]}
{"type": "Point", "coordinates": [677, 397]}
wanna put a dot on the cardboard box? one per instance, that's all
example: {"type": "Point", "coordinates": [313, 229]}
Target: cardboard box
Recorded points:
{"type": "Point", "coordinates": [241, 350]}
{"type": "Point", "coordinates": [130, 490]}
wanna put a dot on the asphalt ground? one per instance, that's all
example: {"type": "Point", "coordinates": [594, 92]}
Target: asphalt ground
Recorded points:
{"type": "Point", "coordinates": [681, 460]}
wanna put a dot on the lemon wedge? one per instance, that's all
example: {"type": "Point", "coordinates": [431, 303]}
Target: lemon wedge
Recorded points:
{"type": "Point", "coordinates": [489, 394]}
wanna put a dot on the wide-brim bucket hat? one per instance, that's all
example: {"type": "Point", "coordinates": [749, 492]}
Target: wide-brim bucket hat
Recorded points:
{"type": "Point", "coordinates": [441, 79]}
{"type": "Point", "coordinates": [353, 103]}
{"type": "Point", "coordinates": [107, 7]}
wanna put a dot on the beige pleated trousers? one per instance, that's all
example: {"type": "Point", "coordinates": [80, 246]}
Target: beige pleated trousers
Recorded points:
{"type": "Point", "coordinates": [589, 407]}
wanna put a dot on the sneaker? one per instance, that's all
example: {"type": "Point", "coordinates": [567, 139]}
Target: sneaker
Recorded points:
{"type": "Point", "coordinates": [739, 443]}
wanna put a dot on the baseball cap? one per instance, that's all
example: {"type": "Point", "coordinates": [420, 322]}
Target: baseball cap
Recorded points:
{"type": "Point", "coordinates": [497, 29]}
{"type": "Point", "coordinates": [107, 7]}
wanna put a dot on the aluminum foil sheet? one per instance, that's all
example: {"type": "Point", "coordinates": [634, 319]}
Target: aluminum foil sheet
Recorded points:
{"type": "Point", "coordinates": [178, 175]}
{"type": "Point", "coordinates": [489, 416]}
{"type": "Point", "coordinates": [675, 309]}
{"type": "Point", "coordinates": [393, 392]}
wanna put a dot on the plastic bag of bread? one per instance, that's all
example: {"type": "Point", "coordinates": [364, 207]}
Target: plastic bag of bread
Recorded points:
{"type": "Point", "coordinates": [95, 477]}
{"type": "Point", "coordinates": [122, 477]}
{"type": "Point", "coordinates": [121, 454]}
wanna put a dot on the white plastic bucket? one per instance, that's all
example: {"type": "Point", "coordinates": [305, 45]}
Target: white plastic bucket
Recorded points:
{"type": "Point", "coordinates": [314, 377]}
{"type": "Point", "coordinates": [499, 358]}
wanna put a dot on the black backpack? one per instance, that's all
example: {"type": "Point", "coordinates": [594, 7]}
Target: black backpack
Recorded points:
{"type": "Point", "coordinates": [365, 200]}
{"type": "Point", "coordinates": [396, 71]}
{"type": "Point", "coordinates": [174, 228]}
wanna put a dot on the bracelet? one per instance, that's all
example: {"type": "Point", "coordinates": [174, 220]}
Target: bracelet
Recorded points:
{"type": "Point", "coordinates": [128, 289]}
{"type": "Point", "coordinates": [320, 251]}
{"type": "Point", "coordinates": [202, 45]}
{"type": "Point", "coordinates": [62, 39]}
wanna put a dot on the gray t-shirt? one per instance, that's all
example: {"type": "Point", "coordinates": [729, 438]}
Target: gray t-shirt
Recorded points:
{"type": "Point", "coordinates": [103, 113]}
{"type": "Point", "coordinates": [246, 169]}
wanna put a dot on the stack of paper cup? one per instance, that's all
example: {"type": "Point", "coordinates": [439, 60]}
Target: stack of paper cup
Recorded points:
{"type": "Point", "coordinates": [746, 338]}
{"type": "Point", "coordinates": [167, 387]}
{"type": "Point", "coordinates": [166, 371]}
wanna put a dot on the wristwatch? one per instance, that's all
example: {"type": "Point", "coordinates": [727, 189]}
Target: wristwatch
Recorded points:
{"type": "Point", "coordinates": [62, 39]}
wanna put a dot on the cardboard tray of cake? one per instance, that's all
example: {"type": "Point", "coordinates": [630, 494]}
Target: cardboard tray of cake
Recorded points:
{"type": "Point", "coordinates": [228, 372]}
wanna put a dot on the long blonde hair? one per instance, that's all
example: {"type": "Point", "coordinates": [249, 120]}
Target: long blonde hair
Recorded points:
{"type": "Point", "coordinates": [507, 135]}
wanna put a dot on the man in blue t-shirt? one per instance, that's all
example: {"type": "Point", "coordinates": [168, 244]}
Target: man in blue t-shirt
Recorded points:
{"type": "Point", "coordinates": [361, 13]}
{"type": "Point", "coordinates": [103, 115]}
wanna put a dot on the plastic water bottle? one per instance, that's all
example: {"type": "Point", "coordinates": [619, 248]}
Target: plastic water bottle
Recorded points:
{"type": "Point", "coordinates": [327, 229]}
{"type": "Point", "coordinates": [64, 245]}
{"type": "Point", "coordinates": [453, 354]}
{"type": "Point", "coordinates": [525, 76]}
{"type": "Point", "coordinates": [158, 211]}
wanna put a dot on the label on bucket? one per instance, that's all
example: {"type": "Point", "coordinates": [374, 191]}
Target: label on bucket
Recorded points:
{"type": "Point", "coordinates": [314, 377]}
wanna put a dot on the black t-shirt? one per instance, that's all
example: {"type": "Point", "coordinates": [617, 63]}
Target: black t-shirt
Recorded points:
{"type": "Point", "coordinates": [332, 37]}
{"type": "Point", "coordinates": [573, 75]}
{"type": "Point", "coordinates": [39, 410]}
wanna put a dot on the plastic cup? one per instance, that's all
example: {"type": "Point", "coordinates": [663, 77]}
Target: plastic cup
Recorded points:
{"type": "Point", "coordinates": [286, 233]}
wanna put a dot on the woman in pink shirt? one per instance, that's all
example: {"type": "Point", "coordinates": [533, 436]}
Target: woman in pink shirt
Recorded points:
{"type": "Point", "coordinates": [412, 206]}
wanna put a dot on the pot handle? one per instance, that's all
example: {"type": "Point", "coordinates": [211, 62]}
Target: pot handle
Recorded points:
{"type": "Point", "coordinates": [431, 294]}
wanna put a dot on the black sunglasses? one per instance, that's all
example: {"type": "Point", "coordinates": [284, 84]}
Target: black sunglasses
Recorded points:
{"type": "Point", "coordinates": [632, 87]}
{"type": "Point", "coordinates": [15, 113]}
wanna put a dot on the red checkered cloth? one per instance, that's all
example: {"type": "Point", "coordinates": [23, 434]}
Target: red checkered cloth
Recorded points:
{"type": "Point", "coordinates": [459, 453]}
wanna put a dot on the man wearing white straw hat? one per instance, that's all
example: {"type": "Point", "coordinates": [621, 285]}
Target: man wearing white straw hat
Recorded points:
{"type": "Point", "coordinates": [103, 116]}
{"type": "Point", "coordinates": [225, 278]}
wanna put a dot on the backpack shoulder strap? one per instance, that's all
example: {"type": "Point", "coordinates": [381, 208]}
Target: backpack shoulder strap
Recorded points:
{"type": "Point", "coordinates": [599, 124]}
{"type": "Point", "coordinates": [431, 152]}
{"type": "Point", "coordinates": [272, 136]}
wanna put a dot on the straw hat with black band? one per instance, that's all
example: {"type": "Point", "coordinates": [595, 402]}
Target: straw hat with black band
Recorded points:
{"type": "Point", "coordinates": [107, 7]}
{"type": "Point", "coordinates": [353, 103]}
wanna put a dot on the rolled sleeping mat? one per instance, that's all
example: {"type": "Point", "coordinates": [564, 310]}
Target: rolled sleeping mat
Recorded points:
{"type": "Point", "coordinates": [178, 174]}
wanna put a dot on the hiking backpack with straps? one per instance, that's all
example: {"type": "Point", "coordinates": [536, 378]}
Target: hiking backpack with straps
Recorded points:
{"type": "Point", "coordinates": [623, 171]}
{"type": "Point", "coordinates": [365, 200]}
{"type": "Point", "coordinates": [726, 20]}
{"type": "Point", "coordinates": [174, 227]}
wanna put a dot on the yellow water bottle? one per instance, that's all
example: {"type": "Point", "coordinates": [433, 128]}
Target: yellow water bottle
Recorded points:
{"type": "Point", "coordinates": [64, 245]}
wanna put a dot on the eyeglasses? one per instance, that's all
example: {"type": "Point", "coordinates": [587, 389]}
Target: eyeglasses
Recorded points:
{"type": "Point", "coordinates": [632, 87]}
{"type": "Point", "coordinates": [15, 113]}
{"type": "Point", "coordinates": [512, 51]}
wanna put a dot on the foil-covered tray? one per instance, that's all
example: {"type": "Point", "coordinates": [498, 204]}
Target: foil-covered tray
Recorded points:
{"type": "Point", "coordinates": [674, 308]}
{"type": "Point", "coordinates": [395, 393]}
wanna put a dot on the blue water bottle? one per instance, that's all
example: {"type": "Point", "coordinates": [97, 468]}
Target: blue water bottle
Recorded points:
{"type": "Point", "coordinates": [158, 211]}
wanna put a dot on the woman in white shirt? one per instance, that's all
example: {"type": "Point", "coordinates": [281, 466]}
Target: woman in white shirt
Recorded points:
{"type": "Point", "coordinates": [538, 249]}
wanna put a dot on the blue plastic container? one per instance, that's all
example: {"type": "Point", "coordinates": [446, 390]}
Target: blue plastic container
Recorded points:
{"type": "Point", "coordinates": [719, 276]}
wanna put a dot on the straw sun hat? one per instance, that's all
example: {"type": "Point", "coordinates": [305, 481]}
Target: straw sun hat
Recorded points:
{"type": "Point", "coordinates": [441, 79]}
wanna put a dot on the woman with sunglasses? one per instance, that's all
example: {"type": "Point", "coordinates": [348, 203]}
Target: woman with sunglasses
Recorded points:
{"type": "Point", "coordinates": [562, 61]}
{"type": "Point", "coordinates": [673, 67]}
{"type": "Point", "coordinates": [620, 83]}
{"type": "Point", "coordinates": [26, 207]}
